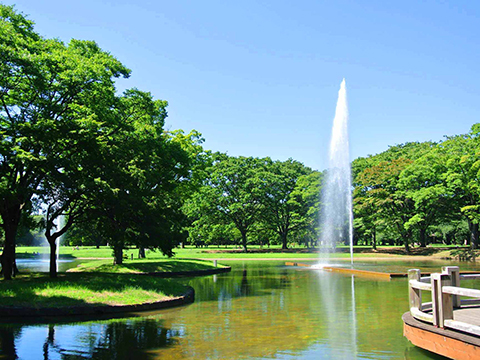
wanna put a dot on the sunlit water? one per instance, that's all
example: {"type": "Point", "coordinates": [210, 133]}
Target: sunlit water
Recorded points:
{"type": "Point", "coordinates": [42, 264]}
{"type": "Point", "coordinates": [336, 219]}
{"type": "Point", "coordinates": [261, 310]}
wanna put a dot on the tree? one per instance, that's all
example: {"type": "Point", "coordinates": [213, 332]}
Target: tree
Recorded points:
{"type": "Point", "coordinates": [379, 197]}
{"type": "Point", "coordinates": [307, 191]}
{"type": "Point", "coordinates": [51, 96]}
{"type": "Point", "coordinates": [284, 209]}
{"type": "Point", "coordinates": [233, 192]}
{"type": "Point", "coordinates": [139, 194]}
{"type": "Point", "coordinates": [461, 156]}
{"type": "Point", "coordinates": [423, 182]}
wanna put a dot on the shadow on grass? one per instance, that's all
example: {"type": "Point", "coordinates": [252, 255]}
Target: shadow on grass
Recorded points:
{"type": "Point", "coordinates": [70, 289]}
{"type": "Point", "coordinates": [149, 266]}
{"type": "Point", "coordinates": [418, 251]}
{"type": "Point", "coordinates": [467, 254]}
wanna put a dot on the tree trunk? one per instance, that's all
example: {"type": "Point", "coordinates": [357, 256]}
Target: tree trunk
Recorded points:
{"type": "Point", "coordinates": [7, 340]}
{"type": "Point", "coordinates": [406, 240]}
{"type": "Point", "coordinates": [474, 233]}
{"type": "Point", "coordinates": [423, 238]}
{"type": "Point", "coordinates": [11, 218]}
{"type": "Point", "coordinates": [8, 256]}
{"type": "Point", "coordinates": [118, 255]}
{"type": "Point", "coordinates": [284, 241]}
{"type": "Point", "coordinates": [53, 258]}
{"type": "Point", "coordinates": [141, 252]}
{"type": "Point", "coordinates": [374, 239]}
{"type": "Point", "coordinates": [448, 239]}
{"type": "Point", "coordinates": [244, 242]}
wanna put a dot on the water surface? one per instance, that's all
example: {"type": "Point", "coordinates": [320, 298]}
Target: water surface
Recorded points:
{"type": "Point", "coordinates": [261, 310]}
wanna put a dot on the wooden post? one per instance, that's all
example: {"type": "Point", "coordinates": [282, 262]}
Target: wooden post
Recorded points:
{"type": "Point", "coordinates": [414, 295]}
{"type": "Point", "coordinates": [454, 273]}
{"type": "Point", "coordinates": [442, 304]}
{"type": "Point", "coordinates": [435, 279]}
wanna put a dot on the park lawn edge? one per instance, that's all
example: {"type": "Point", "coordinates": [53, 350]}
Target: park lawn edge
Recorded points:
{"type": "Point", "coordinates": [213, 253]}
{"type": "Point", "coordinates": [148, 266]}
{"type": "Point", "coordinates": [40, 296]}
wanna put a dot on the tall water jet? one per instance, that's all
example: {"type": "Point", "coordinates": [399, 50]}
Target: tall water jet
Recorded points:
{"type": "Point", "coordinates": [336, 218]}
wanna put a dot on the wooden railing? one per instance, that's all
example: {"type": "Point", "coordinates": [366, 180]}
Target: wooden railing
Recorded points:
{"type": "Point", "coordinates": [446, 292]}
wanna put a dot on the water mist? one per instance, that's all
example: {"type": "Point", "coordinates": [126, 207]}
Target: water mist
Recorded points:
{"type": "Point", "coordinates": [336, 218]}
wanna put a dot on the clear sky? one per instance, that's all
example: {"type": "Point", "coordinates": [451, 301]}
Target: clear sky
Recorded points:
{"type": "Point", "coordinates": [260, 78]}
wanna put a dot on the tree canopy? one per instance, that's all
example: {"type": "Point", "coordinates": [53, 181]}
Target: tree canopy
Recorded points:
{"type": "Point", "coordinates": [79, 150]}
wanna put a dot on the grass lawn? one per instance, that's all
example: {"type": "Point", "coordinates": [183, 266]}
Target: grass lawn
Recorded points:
{"type": "Point", "coordinates": [214, 252]}
{"type": "Point", "coordinates": [144, 266]}
{"type": "Point", "coordinates": [190, 252]}
{"type": "Point", "coordinates": [81, 289]}
{"type": "Point", "coordinates": [98, 282]}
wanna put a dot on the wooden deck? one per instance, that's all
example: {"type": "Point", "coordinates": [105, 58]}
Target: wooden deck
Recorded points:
{"type": "Point", "coordinates": [449, 325]}
{"type": "Point", "coordinates": [450, 343]}
{"type": "Point", "coordinates": [470, 315]}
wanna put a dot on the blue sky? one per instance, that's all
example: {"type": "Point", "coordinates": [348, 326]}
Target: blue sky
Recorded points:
{"type": "Point", "coordinates": [260, 78]}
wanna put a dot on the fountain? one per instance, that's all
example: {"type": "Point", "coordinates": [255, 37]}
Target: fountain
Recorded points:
{"type": "Point", "coordinates": [336, 220]}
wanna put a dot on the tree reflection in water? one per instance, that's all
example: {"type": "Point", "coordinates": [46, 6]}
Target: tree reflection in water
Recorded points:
{"type": "Point", "coordinates": [121, 339]}
{"type": "Point", "coordinates": [7, 343]}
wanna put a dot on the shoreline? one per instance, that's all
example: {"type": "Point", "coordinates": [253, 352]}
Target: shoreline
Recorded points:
{"type": "Point", "coordinates": [93, 312]}
{"type": "Point", "coordinates": [8, 314]}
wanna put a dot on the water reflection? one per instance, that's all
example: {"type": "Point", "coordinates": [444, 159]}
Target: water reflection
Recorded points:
{"type": "Point", "coordinates": [43, 264]}
{"type": "Point", "coordinates": [257, 311]}
{"type": "Point", "coordinates": [98, 340]}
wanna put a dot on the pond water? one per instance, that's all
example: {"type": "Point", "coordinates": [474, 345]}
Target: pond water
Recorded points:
{"type": "Point", "coordinates": [261, 310]}
{"type": "Point", "coordinates": [42, 264]}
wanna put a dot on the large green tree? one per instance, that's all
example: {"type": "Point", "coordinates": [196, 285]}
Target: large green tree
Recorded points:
{"type": "Point", "coordinates": [285, 210]}
{"type": "Point", "coordinates": [307, 192]}
{"type": "Point", "coordinates": [52, 98]}
{"type": "Point", "coordinates": [380, 199]}
{"type": "Point", "coordinates": [461, 157]}
{"type": "Point", "coordinates": [423, 183]}
{"type": "Point", "coordinates": [140, 190]}
{"type": "Point", "coordinates": [233, 192]}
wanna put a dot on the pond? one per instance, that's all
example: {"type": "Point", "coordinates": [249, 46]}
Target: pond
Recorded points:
{"type": "Point", "coordinates": [42, 264]}
{"type": "Point", "coordinates": [261, 310]}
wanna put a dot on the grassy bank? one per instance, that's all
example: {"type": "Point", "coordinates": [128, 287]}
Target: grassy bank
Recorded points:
{"type": "Point", "coordinates": [98, 282]}
{"type": "Point", "coordinates": [143, 266]}
{"type": "Point", "coordinates": [86, 289]}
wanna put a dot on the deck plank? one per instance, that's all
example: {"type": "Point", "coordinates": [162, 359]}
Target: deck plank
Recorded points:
{"type": "Point", "coordinates": [470, 315]}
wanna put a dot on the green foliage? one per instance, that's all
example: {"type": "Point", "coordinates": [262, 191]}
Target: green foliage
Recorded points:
{"type": "Point", "coordinates": [232, 193]}
{"type": "Point", "coordinates": [412, 189]}
{"type": "Point", "coordinates": [285, 208]}
{"type": "Point", "coordinates": [71, 143]}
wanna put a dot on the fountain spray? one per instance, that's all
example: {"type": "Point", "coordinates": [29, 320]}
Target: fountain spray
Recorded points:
{"type": "Point", "coordinates": [336, 219]}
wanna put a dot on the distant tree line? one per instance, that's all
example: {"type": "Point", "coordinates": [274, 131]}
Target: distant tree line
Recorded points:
{"type": "Point", "coordinates": [420, 193]}
{"type": "Point", "coordinates": [412, 194]}
{"type": "Point", "coordinates": [254, 200]}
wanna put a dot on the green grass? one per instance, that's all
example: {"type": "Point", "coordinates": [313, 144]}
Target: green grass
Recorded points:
{"type": "Point", "coordinates": [214, 252]}
{"type": "Point", "coordinates": [144, 266]}
{"type": "Point", "coordinates": [98, 282]}
{"type": "Point", "coordinates": [86, 289]}
{"type": "Point", "coordinates": [190, 252]}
